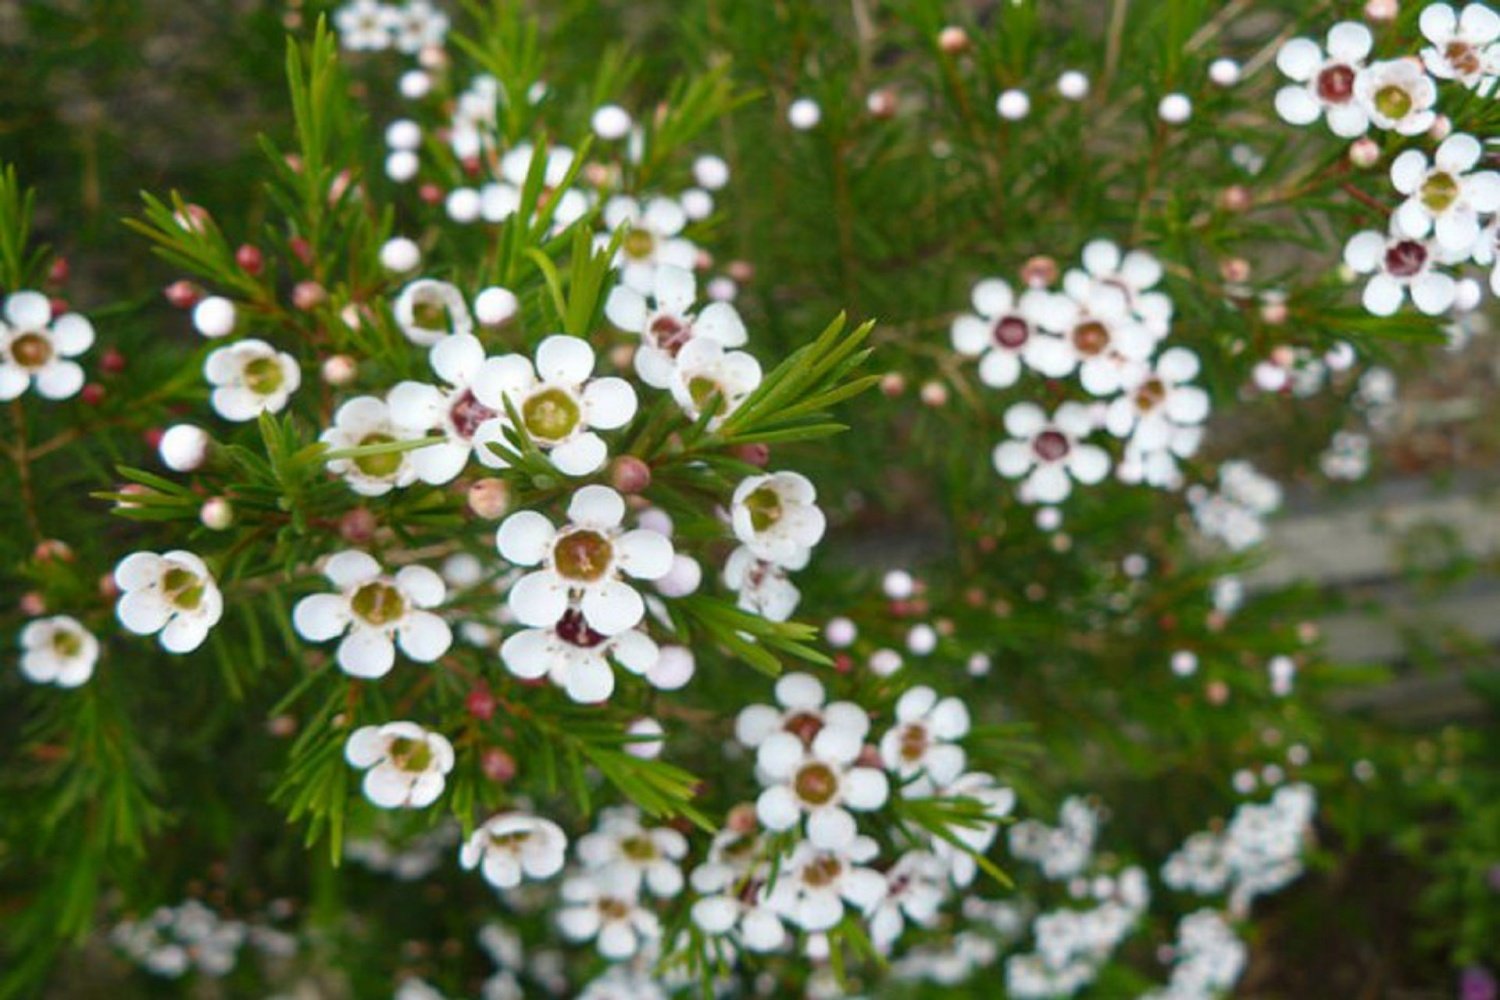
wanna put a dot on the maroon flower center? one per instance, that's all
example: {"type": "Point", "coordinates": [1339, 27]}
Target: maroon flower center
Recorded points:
{"type": "Point", "coordinates": [670, 333]}
{"type": "Point", "coordinates": [31, 350]}
{"type": "Point", "coordinates": [1011, 332]}
{"type": "Point", "coordinates": [467, 413]}
{"type": "Point", "coordinates": [1405, 258]}
{"type": "Point", "coordinates": [1462, 57]}
{"type": "Point", "coordinates": [571, 628]}
{"type": "Point", "coordinates": [914, 742]}
{"type": "Point", "coordinates": [816, 784]}
{"type": "Point", "coordinates": [1091, 337]}
{"type": "Point", "coordinates": [1336, 84]}
{"type": "Point", "coordinates": [1050, 446]}
{"type": "Point", "coordinates": [805, 726]}
{"type": "Point", "coordinates": [1150, 395]}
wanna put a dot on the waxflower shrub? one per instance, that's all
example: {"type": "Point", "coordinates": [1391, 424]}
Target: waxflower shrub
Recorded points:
{"type": "Point", "coordinates": [688, 499]}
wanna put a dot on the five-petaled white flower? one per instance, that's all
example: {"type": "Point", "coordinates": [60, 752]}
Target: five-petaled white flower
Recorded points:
{"type": "Point", "coordinates": [704, 371]}
{"type": "Point", "coordinates": [418, 25]}
{"type": "Point", "coordinates": [762, 586]}
{"type": "Point", "coordinates": [803, 713]}
{"type": "Point", "coordinates": [922, 740]}
{"type": "Point", "coordinates": [465, 421]}
{"type": "Point", "coordinates": [814, 884]}
{"type": "Point", "coordinates": [1152, 411]}
{"type": "Point", "coordinates": [1050, 453]}
{"type": "Point", "coordinates": [639, 855]}
{"type": "Point", "coordinates": [513, 846]}
{"type": "Point", "coordinates": [1446, 196]}
{"type": "Point", "coordinates": [362, 422]}
{"type": "Point", "coordinates": [602, 905]}
{"type": "Point", "coordinates": [1102, 334]}
{"type": "Point", "coordinates": [1399, 264]}
{"type": "Point", "coordinates": [36, 347]}
{"type": "Point", "coordinates": [364, 25]}
{"type": "Point", "coordinates": [559, 402]}
{"type": "Point", "coordinates": [1397, 95]}
{"type": "Point", "coordinates": [664, 318]}
{"type": "Point", "coordinates": [576, 657]}
{"type": "Point", "coordinates": [1463, 44]}
{"type": "Point", "coordinates": [377, 611]}
{"type": "Point", "coordinates": [172, 593]}
{"type": "Point", "coordinates": [653, 237]}
{"type": "Point", "coordinates": [582, 560]}
{"type": "Point", "coordinates": [1006, 333]}
{"type": "Point", "coordinates": [1135, 273]}
{"type": "Point", "coordinates": [58, 650]}
{"type": "Point", "coordinates": [996, 801]}
{"type": "Point", "coordinates": [915, 888]}
{"type": "Point", "coordinates": [819, 780]}
{"type": "Point", "coordinates": [428, 310]}
{"type": "Point", "coordinates": [404, 764]}
{"type": "Point", "coordinates": [777, 518]}
{"type": "Point", "coordinates": [1324, 85]}
{"type": "Point", "coordinates": [250, 378]}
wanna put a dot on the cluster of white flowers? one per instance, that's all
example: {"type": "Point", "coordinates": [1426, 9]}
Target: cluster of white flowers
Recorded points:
{"type": "Point", "coordinates": [409, 861]}
{"type": "Point", "coordinates": [1258, 852]}
{"type": "Point", "coordinates": [1447, 215]}
{"type": "Point", "coordinates": [1063, 851]}
{"type": "Point", "coordinates": [1106, 326]}
{"type": "Point", "coordinates": [1347, 456]}
{"type": "Point", "coordinates": [1207, 959]}
{"type": "Point", "coordinates": [622, 864]}
{"type": "Point", "coordinates": [1072, 945]}
{"type": "Point", "coordinates": [1236, 512]}
{"type": "Point", "coordinates": [176, 940]}
{"type": "Point", "coordinates": [409, 27]}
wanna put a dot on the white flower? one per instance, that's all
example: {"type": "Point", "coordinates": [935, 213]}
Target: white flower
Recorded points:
{"type": "Point", "coordinates": [818, 780]}
{"type": "Point", "coordinates": [377, 611]}
{"type": "Point", "coordinates": [250, 378]}
{"type": "Point", "coordinates": [635, 854]}
{"type": "Point", "coordinates": [1448, 195]}
{"type": "Point", "coordinates": [576, 657]}
{"type": "Point", "coordinates": [915, 887]}
{"type": "Point", "coordinates": [1151, 412]}
{"type": "Point", "coordinates": [172, 593]}
{"type": "Point", "coordinates": [361, 422]}
{"type": "Point", "coordinates": [1110, 345]}
{"type": "Point", "coordinates": [1005, 333]}
{"type": "Point", "coordinates": [583, 560]}
{"type": "Point", "coordinates": [1134, 273]}
{"type": "Point", "coordinates": [704, 369]}
{"type": "Point", "coordinates": [653, 229]}
{"type": "Point", "coordinates": [511, 846]}
{"type": "Point", "coordinates": [601, 905]}
{"type": "Point", "coordinates": [813, 885]}
{"type": "Point", "coordinates": [922, 741]}
{"type": "Point", "coordinates": [404, 764]}
{"type": "Point", "coordinates": [36, 347]}
{"type": "Point", "coordinates": [762, 586]}
{"type": "Point", "coordinates": [417, 26]}
{"type": "Point", "coordinates": [58, 650]}
{"type": "Point", "coordinates": [1399, 264]}
{"type": "Point", "coordinates": [364, 25]}
{"type": "Point", "coordinates": [1325, 85]}
{"type": "Point", "coordinates": [664, 318]}
{"type": "Point", "coordinates": [997, 802]}
{"type": "Point", "coordinates": [558, 401]}
{"type": "Point", "coordinates": [457, 413]}
{"type": "Point", "coordinates": [1397, 95]}
{"type": "Point", "coordinates": [428, 310]}
{"type": "Point", "coordinates": [1463, 45]}
{"type": "Point", "coordinates": [500, 199]}
{"type": "Point", "coordinates": [802, 713]}
{"type": "Point", "coordinates": [776, 518]}
{"type": "Point", "coordinates": [1049, 452]}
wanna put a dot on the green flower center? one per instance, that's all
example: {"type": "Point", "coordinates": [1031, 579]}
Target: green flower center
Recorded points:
{"type": "Point", "coordinates": [638, 848]}
{"type": "Point", "coordinates": [1392, 101]}
{"type": "Point", "coordinates": [639, 244]}
{"type": "Point", "coordinates": [582, 555]}
{"type": "Point", "coordinates": [382, 465]}
{"type": "Point", "coordinates": [816, 784]}
{"type": "Point", "coordinates": [264, 376]}
{"type": "Point", "coordinates": [66, 643]}
{"type": "Point", "coordinates": [612, 909]}
{"type": "Point", "coordinates": [765, 508]}
{"type": "Point", "coordinates": [431, 314]}
{"type": "Point", "coordinates": [550, 415]}
{"type": "Point", "coordinates": [31, 350]}
{"type": "Point", "coordinates": [410, 755]}
{"type": "Point", "coordinates": [378, 603]}
{"type": "Point", "coordinates": [182, 587]}
{"type": "Point", "coordinates": [509, 841]}
{"type": "Point", "coordinates": [1150, 395]}
{"type": "Point", "coordinates": [1440, 191]}
{"type": "Point", "coordinates": [702, 388]}
{"type": "Point", "coordinates": [822, 870]}
{"type": "Point", "coordinates": [914, 743]}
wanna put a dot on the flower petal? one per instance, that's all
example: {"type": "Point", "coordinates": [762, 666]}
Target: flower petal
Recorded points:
{"type": "Point", "coordinates": [563, 359]}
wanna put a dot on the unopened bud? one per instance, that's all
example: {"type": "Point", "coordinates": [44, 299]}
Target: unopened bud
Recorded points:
{"type": "Point", "coordinates": [489, 498]}
{"type": "Point", "coordinates": [953, 40]}
{"type": "Point", "coordinates": [629, 474]}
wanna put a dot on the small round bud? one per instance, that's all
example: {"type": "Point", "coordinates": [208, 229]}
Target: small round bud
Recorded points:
{"type": "Point", "coordinates": [1217, 692]}
{"type": "Point", "coordinates": [647, 741]}
{"type": "Point", "coordinates": [357, 526]}
{"type": "Point", "coordinates": [840, 632]}
{"type": "Point", "coordinates": [742, 819]}
{"type": "Point", "coordinates": [921, 640]}
{"type": "Point", "coordinates": [1039, 271]}
{"type": "Point", "coordinates": [1013, 105]}
{"type": "Point", "coordinates": [183, 294]}
{"type": "Point", "coordinates": [934, 394]}
{"type": "Point", "coordinates": [710, 172]}
{"type": "Point", "coordinates": [92, 394]}
{"type": "Point", "coordinates": [250, 259]}
{"type": "Point", "coordinates": [741, 271]}
{"type": "Point", "coordinates": [414, 84]}
{"type": "Point", "coordinates": [675, 666]}
{"type": "Point", "coordinates": [1381, 10]}
{"type": "Point", "coordinates": [308, 295]}
{"type": "Point", "coordinates": [1235, 270]}
{"type": "Point", "coordinates": [1466, 298]}
{"type": "Point", "coordinates": [611, 122]}
{"type": "Point", "coordinates": [184, 447]}
{"type": "Point", "coordinates": [1273, 311]}
{"type": "Point", "coordinates": [1073, 85]}
{"type": "Point", "coordinates": [301, 248]}
{"type": "Point", "coordinates": [898, 585]}
{"type": "Point", "coordinates": [463, 204]}
{"type": "Point", "coordinates": [403, 133]}
{"type": "Point", "coordinates": [489, 498]}
{"type": "Point", "coordinates": [1184, 663]}
{"type": "Point", "coordinates": [893, 384]}
{"type": "Point", "coordinates": [1175, 109]}
{"type": "Point", "coordinates": [881, 103]}
{"type": "Point", "coordinates": [953, 40]}
{"type": "Point", "coordinates": [431, 194]}
{"type": "Point", "coordinates": [339, 369]}
{"type": "Point", "coordinates": [1236, 198]}
{"type": "Point", "coordinates": [52, 550]}
{"type": "Point", "coordinates": [804, 114]}
{"type": "Point", "coordinates": [684, 578]}
{"type": "Point", "coordinates": [495, 305]}
{"type": "Point", "coordinates": [111, 362]}
{"type": "Point", "coordinates": [629, 474]}
{"type": "Point", "coordinates": [480, 702]}
{"type": "Point", "coordinates": [33, 604]}
{"type": "Point", "coordinates": [214, 317]}
{"type": "Point", "coordinates": [58, 271]}
{"type": "Point", "coordinates": [884, 662]}
{"type": "Point", "coordinates": [1224, 72]}
{"type": "Point", "coordinates": [1364, 152]}
{"type": "Point", "coordinates": [756, 453]}
{"type": "Point", "coordinates": [1441, 128]}
{"type": "Point", "coordinates": [697, 204]}
{"type": "Point", "coordinates": [402, 165]}
{"type": "Point", "coordinates": [216, 513]}
{"type": "Point", "coordinates": [400, 255]}
{"type": "Point", "coordinates": [497, 765]}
